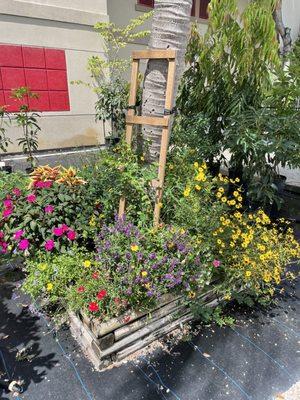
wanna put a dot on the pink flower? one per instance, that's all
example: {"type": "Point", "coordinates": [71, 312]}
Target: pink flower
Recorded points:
{"type": "Point", "coordinates": [6, 213]}
{"type": "Point", "coordinates": [65, 228]}
{"type": "Point", "coordinates": [49, 245]}
{"type": "Point", "coordinates": [3, 247]}
{"type": "Point", "coordinates": [18, 234]}
{"type": "Point", "coordinates": [48, 184]}
{"type": "Point", "coordinates": [31, 198]}
{"type": "Point", "coordinates": [216, 263]}
{"type": "Point", "coordinates": [49, 209]}
{"type": "Point", "coordinates": [81, 289]}
{"type": "Point", "coordinates": [8, 204]}
{"type": "Point", "coordinates": [58, 231]}
{"type": "Point", "coordinates": [71, 235]}
{"type": "Point", "coordinates": [101, 294]}
{"type": "Point", "coordinates": [24, 244]}
{"type": "Point", "coordinates": [1, 235]}
{"type": "Point", "coordinates": [16, 192]}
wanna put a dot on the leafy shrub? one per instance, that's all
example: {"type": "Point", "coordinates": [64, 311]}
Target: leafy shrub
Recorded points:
{"type": "Point", "coordinates": [47, 217]}
{"type": "Point", "coordinates": [8, 182]}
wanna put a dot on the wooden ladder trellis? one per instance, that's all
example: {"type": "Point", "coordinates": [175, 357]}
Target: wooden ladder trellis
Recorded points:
{"type": "Point", "coordinates": [163, 122]}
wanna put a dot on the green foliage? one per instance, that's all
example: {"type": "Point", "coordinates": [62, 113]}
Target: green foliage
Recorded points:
{"type": "Point", "coordinates": [28, 121]}
{"type": "Point", "coordinates": [121, 172]}
{"type": "Point", "coordinates": [4, 123]}
{"type": "Point", "coordinates": [52, 277]}
{"type": "Point", "coordinates": [10, 181]}
{"type": "Point", "coordinates": [109, 72]}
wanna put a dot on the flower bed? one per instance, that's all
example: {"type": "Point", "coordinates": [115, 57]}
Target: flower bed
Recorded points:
{"type": "Point", "coordinates": [82, 260]}
{"type": "Point", "coordinates": [118, 338]}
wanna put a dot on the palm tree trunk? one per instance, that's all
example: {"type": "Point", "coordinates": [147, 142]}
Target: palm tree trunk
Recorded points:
{"type": "Point", "coordinates": [282, 32]}
{"type": "Point", "coordinates": [170, 30]}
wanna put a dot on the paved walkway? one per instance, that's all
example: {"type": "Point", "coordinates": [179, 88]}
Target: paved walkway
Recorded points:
{"type": "Point", "coordinates": [257, 359]}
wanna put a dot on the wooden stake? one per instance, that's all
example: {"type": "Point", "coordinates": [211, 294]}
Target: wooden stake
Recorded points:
{"type": "Point", "coordinates": [164, 122]}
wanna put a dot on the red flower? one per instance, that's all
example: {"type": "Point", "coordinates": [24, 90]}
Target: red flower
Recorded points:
{"type": "Point", "coordinates": [126, 318]}
{"type": "Point", "coordinates": [81, 289]}
{"type": "Point", "coordinates": [95, 275]}
{"type": "Point", "coordinates": [31, 198]}
{"type": "Point", "coordinates": [93, 306]}
{"type": "Point", "coordinates": [101, 294]}
{"type": "Point", "coordinates": [71, 235]}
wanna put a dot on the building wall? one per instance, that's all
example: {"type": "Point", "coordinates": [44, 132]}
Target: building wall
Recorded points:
{"type": "Point", "coordinates": [67, 25]}
{"type": "Point", "coordinates": [291, 16]}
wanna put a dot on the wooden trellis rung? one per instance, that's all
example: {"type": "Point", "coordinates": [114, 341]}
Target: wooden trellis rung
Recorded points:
{"type": "Point", "coordinates": [163, 122]}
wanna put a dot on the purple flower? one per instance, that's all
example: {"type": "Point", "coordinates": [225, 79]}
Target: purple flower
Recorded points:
{"type": "Point", "coordinates": [129, 292]}
{"type": "Point", "coordinates": [152, 256]}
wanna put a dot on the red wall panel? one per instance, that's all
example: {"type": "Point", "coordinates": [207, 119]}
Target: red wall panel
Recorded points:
{"type": "Point", "coordinates": [42, 70]}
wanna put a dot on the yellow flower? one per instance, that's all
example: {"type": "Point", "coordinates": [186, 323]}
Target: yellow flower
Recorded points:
{"type": "Point", "coordinates": [49, 287]}
{"type": "Point", "coordinates": [196, 165]}
{"type": "Point", "coordinates": [92, 222]}
{"type": "Point", "coordinates": [197, 187]}
{"type": "Point", "coordinates": [171, 166]}
{"type": "Point", "coordinates": [219, 194]}
{"type": "Point", "coordinates": [142, 158]}
{"type": "Point", "coordinates": [87, 263]}
{"type": "Point", "coordinates": [240, 198]}
{"type": "Point", "coordinates": [182, 231]}
{"type": "Point", "coordinates": [227, 296]}
{"type": "Point", "coordinates": [42, 267]}
{"type": "Point", "coordinates": [192, 295]}
{"type": "Point", "coordinates": [248, 274]}
{"type": "Point", "coordinates": [187, 192]}
{"type": "Point", "coordinates": [236, 193]}
{"type": "Point", "coordinates": [144, 274]}
{"type": "Point", "coordinates": [221, 190]}
{"type": "Point", "coordinates": [237, 180]}
{"type": "Point", "coordinates": [134, 247]}
{"type": "Point", "coordinates": [224, 199]}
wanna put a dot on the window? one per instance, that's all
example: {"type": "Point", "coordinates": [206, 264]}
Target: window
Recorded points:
{"type": "Point", "coordinates": [42, 70]}
{"type": "Point", "coordinates": [202, 10]}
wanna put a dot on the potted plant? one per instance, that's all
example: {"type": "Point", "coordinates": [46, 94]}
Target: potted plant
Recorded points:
{"type": "Point", "coordinates": [4, 140]}
{"type": "Point", "coordinates": [27, 120]}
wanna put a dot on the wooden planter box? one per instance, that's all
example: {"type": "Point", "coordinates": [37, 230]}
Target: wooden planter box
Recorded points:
{"type": "Point", "coordinates": [112, 341]}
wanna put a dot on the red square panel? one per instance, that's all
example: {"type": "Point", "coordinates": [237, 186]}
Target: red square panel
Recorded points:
{"type": "Point", "coordinates": [1, 86]}
{"type": "Point", "coordinates": [13, 104]}
{"type": "Point", "coordinates": [55, 59]}
{"type": "Point", "coordinates": [59, 101]}
{"type": "Point", "coordinates": [11, 56]}
{"type": "Point", "coordinates": [57, 80]}
{"type": "Point", "coordinates": [2, 100]}
{"type": "Point", "coordinates": [34, 57]}
{"type": "Point", "coordinates": [41, 103]}
{"type": "Point", "coordinates": [12, 77]}
{"type": "Point", "coordinates": [36, 79]}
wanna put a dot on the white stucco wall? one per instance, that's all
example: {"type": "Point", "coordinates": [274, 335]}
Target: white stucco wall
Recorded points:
{"type": "Point", "coordinates": [60, 24]}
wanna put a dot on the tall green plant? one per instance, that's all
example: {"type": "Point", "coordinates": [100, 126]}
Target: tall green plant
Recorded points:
{"type": "Point", "coordinates": [4, 123]}
{"type": "Point", "coordinates": [27, 120]}
{"type": "Point", "coordinates": [111, 86]}
{"type": "Point", "coordinates": [230, 67]}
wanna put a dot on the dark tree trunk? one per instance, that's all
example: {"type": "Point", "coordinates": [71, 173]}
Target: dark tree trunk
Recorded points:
{"type": "Point", "coordinates": [283, 32]}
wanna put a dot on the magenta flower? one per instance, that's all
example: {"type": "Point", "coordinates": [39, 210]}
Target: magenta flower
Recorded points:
{"type": "Point", "coordinates": [8, 204]}
{"type": "Point", "coordinates": [1, 234]}
{"type": "Point", "coordinates": [18, 234]}
{"type": "Point", "coordinates": [71, 235]}
{"type": "Point", "coordinates": [49, 245]}
{"type": "Point", "coordinates": [16, 192]}
{"type": "Point", "coordinates": [31, 198]}
{"type": "Point", "coordinates": [65, 228]}
{"type": "Point", "coordinates": [216, 263]}
{"type": "Point", "coordinates": [48, 184]}
{"type": "Point", "coordinates": [6, 213]}
{"type": "Point", "coordinates": [58, 231]}
{"type": "Point", "coordinates": [24, 244]}
{"type": "Point", "coordinates": [49, 209]}
{"type": "Point", "coordinates": [3, 247]}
